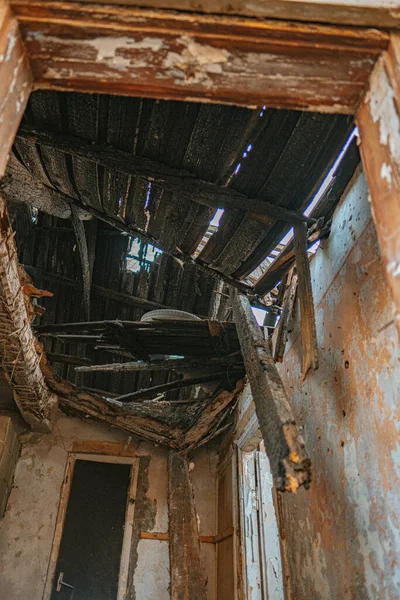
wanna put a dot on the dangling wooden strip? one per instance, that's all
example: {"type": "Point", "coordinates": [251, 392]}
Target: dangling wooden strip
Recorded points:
{"type": "Point", "coordinates": [308, 328]}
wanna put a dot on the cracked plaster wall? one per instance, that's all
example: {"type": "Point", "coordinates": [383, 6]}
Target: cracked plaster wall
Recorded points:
{"type": "Point", "coordinates": [342, 537]}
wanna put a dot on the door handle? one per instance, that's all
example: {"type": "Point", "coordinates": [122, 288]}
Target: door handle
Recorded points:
{"type": "Point", "coordinates": [60, 583]}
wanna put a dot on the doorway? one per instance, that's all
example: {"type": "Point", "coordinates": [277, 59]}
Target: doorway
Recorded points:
{"type": "Point", "coordinates": [88, 566]}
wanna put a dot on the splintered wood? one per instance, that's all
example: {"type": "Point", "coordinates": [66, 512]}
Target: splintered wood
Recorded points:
{"type": "Point", "coordinates": [188, 581]}
{"type": "Point", "coordinates": [20, 351]}
{"type": "Point", "coordinates": [308, 328]}
{"type": "Point", "coordinates": [290, 465]}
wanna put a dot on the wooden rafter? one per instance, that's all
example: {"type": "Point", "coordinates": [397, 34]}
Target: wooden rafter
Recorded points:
{"type": "Point", "coordinates": [177, 55]}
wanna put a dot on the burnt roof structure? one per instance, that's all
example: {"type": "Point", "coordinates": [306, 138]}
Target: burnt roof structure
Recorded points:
{"type": "Point", "coordinates": [146, 174]}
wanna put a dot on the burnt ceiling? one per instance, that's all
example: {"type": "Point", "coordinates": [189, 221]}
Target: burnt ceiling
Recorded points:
{"type": "Point", "coordinates": [159, 170]}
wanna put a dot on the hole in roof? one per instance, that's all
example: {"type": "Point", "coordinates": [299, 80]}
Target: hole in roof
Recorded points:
{"type": "Point", "coordinates": [259, 314]}
{"type": "Point", "coordinates": [140, 255]}
{"type": "Point", "coordinates": [217, 217]}
{"type": "Point", "coordinates": [260, 270]}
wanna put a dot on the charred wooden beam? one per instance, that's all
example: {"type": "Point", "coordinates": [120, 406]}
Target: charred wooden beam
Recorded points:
{"type": "Point", "coordinates": [16, 81]}
{"type": "Point", "coordinates": [201, 56]}
{"type": "Point", "coordinates": [84, 259]}
{"type": "Point", "coordinates": [162, 365]}
{"type": "Point", "coordinates": [308, 327]}
{"type": "Point", "coordinates": [187, 578]}
{"type": "Point", "coordinates": [234, 372]}
{"type": "Point", "coordinates": [290, 464]}
{"type": "Point", "coordinates": [20, 351]}
{"type": "Point", "coordinates": [184, 183]}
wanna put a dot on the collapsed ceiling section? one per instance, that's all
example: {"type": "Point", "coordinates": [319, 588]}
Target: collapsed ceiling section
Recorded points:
{"type": "Point", "coordinates": [118, 195]}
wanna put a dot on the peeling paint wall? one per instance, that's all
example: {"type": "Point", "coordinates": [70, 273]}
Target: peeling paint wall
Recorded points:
{"type": "Point", "coordinates": [27, 529]}
{"type": "Point", "coordinates": [342, 538]}
{"type": "Point", "coordinates": [343, 535]}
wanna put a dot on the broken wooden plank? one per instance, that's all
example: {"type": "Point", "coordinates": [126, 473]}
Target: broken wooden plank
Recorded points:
{"type": "Point", "coordinates": [20, 351]}
{"type": "Point", "coordinates": [16, 82]}
{"type": "Point", "coordinates": [378, 120]}
{"type": "Point", "coordinates": [290, 465]}
{"type": "Point", "coordinates": [308, 327]}
{"type": "Point", "coordinates": [279, 337]}
{"type": "Point", "coordinates": [179, 56]}
{"type": "Point", "coordinates": [187, 578]}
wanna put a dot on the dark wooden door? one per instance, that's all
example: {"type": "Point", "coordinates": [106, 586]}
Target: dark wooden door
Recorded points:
{"type": "Point", "coordinates": [91, 544]}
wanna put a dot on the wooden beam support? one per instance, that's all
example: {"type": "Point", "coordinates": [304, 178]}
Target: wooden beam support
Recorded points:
{"type": "Point", "coordinates": [20, 351]}
{"type": "Point", "coordinates": [284, 445]}
{"type": "Point", "coordinates": [180, 56]}
{"type": "Point", "coordinates": [308, 327]}
{"type": "Point", "coordinates": [16, 81]}
{"type": "Point", "coordinates": [372, 13]}
{"type": "Point", "coordinates": [378, 120]}
{"type": "Point", "coordinates": [187, 578]}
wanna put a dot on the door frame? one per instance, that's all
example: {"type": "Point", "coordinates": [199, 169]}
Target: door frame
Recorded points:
{"type": "Point", "coordinates": [62, 511]}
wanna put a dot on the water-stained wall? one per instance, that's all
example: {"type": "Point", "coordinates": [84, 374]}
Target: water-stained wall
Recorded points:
{"type": "Point", "coordinates": [342, 536]}
{"type": "Point", "coordinates": [28, 528]}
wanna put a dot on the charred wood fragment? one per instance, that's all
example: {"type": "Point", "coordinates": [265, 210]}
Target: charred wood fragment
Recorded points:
{"type": "Point", "coordinates": [308, 327]}
{"type": "Point", "coordinates": [290, 465]}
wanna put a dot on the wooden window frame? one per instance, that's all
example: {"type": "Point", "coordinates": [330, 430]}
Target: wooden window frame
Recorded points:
{"type": "Point", "coordinates": [334, 67]}
{"type": "Point", "coordinates": [62, 511]}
